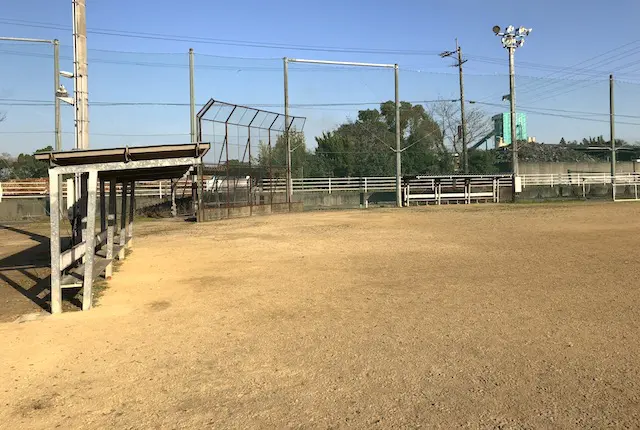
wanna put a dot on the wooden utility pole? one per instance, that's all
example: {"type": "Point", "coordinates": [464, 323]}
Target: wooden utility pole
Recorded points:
{"type": "Point", "coordinates": [463, 120]}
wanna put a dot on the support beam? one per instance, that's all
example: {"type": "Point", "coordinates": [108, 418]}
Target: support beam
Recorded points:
{"type": "Point", "coordinates": [82, 207]}
{"type": "Point", "coordinates": [200, 171]}
{"type": "Point", "coordinates": [132, 165]}
{"type": "Point", "coordinates": [56, 290]}
{"type": "Point", "coordinates": [123, 219]}
{"type": "Point", "coordinates": [92, 183]}
{"type": "Point", "coordinates": [103, 207]}
{"type": "Point", "coordinates": [174, 208]}
{"type": "Point", "coordinates": [111, 225]}
{"type": "Point", "coordinates": [71, 193]}
{"type": "Point", "coordinates": [132, 211]}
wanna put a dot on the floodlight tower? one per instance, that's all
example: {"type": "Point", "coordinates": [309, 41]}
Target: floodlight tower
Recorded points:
{"type": "Point", "coordinates": [512, 39]}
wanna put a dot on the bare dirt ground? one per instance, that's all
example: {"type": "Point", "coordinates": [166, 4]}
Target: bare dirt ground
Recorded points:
{"type": "Point", "coordinates": [481, 317]}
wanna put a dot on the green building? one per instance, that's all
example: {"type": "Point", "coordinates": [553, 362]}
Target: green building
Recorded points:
{"type": "Point", "coordinates": [502, 128]}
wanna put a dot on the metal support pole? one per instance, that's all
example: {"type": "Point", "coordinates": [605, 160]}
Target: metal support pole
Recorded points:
{"type": "Point", "coordinates": [192, 98]}
{"type": "Point", "coordinates": [465, 153]}
{"type": "Point", "coordinates": [56, 85]}
{"type": "Point", "coordinates": [56, 290]}
{"type": "Point", "coordinates": [612, 130]}
{"type": "Point", "coordinates": [286, 129]}
{"type": "Point", "coordinates": [90, 241]}
{"type": "Point", "coordinates": [398, 140]}
{"type": "Point", "coordinates": [512, 98]}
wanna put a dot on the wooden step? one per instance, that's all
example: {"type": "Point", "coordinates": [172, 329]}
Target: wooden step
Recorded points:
{"type": "Point", "coordinates": [75, 276]}
{"type": "Point", "coordinates": [102, 252]}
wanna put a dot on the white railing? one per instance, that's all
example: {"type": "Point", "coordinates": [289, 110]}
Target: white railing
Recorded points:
{"type": "Point", "coordinates": [40, 188]}
{"type": "Point", "coordinates": [331, 185]}
{"type": "Point", "coordinates": [552, 180]}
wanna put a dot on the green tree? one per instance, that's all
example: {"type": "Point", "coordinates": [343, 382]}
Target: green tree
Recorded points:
{"type": "Point", "coordinates": [365, 147]}
{"type": "Point", "coordinates": [275, 158]}
{"type": "Point", "coordinates": [26, 166]}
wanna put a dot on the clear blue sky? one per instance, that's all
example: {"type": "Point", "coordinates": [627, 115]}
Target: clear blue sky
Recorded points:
{"type": "Point", "coordinates": [565, 33]}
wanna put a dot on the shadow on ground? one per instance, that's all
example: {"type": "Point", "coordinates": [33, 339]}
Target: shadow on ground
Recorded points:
{"type": "Point", "coordinates": [26, 269]}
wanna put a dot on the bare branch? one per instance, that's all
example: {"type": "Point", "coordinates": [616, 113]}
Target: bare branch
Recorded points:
{"type": "Point", "coordinates": [447, 114]}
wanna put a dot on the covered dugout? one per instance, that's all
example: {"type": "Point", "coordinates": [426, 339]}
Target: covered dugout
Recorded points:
{"type": "Point", "coordinates": [91, 254]}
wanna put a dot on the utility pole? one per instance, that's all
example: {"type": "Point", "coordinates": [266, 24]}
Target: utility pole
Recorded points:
{"type": "Point", "coordinates": [56, 85]}
{"type": "Point", "coordinates": [463, 120]}
{"type": "Point", "coordinates": [286, 129]}
{"type": "Point", "coordinates": [465, 153]}
{"type": "Point", "coordinates": [612, 130]}
{"type": "Point", "coordinates": [512, 39]}
{"type": "Point", "coordinates": [80, 74]}
{"type": "Point", "coordinates": [192, 97]}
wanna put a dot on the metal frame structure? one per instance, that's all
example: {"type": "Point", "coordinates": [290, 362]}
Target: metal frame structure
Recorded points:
{"type": "Point", "coordinates": [93, 256]}
{"type": "Point", "coordinates": [398, 151]}
{"type": "Point", "coordinates": [247, 118]}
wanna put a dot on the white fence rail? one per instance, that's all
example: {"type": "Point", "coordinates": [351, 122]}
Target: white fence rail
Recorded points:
{"type": "Point", "coordinates": [553, 180]}
{"type": "Point", "coordinates": [331, 185]}
{"type": "Point", "coordinates": [39, 188]}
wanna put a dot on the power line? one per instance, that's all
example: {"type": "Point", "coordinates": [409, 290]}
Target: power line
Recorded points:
{"type": "Point", "coordinates": [571, 69]}
{"type": "Point", "coordinates": [207, 40]}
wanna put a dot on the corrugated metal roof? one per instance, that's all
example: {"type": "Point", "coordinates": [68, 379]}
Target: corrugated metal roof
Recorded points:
{"type": "Point", "coordinates": [125, 154]}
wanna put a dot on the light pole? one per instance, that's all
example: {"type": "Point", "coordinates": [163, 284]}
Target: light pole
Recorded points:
{"type": "Point", "coordinates": [56, 79]}
{"type": "Point", "coordinates": [512, 39]}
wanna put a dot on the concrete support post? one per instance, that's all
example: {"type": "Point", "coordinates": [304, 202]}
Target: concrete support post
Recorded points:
{"type": "Point", "coordinates": [111, 225]}
{"type": "Point", "coordinates": [174, 208]}
{"type": "Point", "coordinates": [123, 219]}
{"type": "Point", "coordinates": [103, 207]}
{"type": "Point", "coordinates": [132, 211]}
{"type": "Point", "coordinates": [71, 193]}
{"type": "Point", "coordinates": [56, 290]}
{"type": "Point", "coordinates": [90, 240]}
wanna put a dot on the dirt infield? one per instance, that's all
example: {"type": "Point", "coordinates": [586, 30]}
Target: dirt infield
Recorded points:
{"type": "Point", "coordinates": [484, 316]}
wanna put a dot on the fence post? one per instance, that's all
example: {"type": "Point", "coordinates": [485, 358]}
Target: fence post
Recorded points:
{"type": "Point", "coordinates": [329, 184]}
{"type": "Point", "coordinates": [160, 188]}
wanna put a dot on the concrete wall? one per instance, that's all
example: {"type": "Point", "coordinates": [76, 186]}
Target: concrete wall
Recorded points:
{"type": "Point", "coordinates": [574, 192]}
{"type": "Point", "coordinates": [212, 214]}
{"type": "Point", "coordinates": [16, 209]}
{"type": "Point", "coordinates": [554, 168]}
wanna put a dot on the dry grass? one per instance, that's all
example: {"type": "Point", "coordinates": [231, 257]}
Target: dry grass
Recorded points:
{"type": "Point", "coordinates": [484, 316]}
